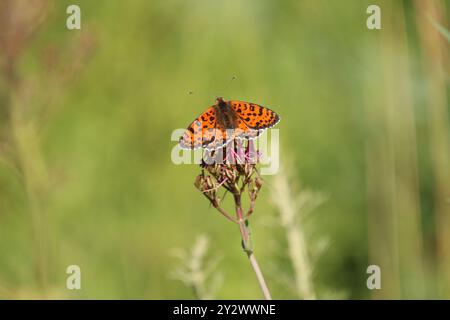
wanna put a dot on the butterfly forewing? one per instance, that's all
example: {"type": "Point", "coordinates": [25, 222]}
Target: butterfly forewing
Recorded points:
{"type": "Point", "coordinates": [254, 116]}
{"type": "Point", "coordinates": [205, 132]}
{"type": "Point", "coordinates": [201, 131]}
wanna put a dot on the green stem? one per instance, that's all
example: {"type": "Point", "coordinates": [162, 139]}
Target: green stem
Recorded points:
{"type": "Point", "coordinates": [247, 246]}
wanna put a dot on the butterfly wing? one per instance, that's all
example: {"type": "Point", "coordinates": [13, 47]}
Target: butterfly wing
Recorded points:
{"type": "Point", "coordinates": [243, 131]}
{"type": "Point", "coordinates": [223, 135]}
{"type": "Point", "coordinates": [205, 132]}
{"type": "Point", "coordinates": [254, 116]}
{"type": "Point", "coordinates": [201, 131]}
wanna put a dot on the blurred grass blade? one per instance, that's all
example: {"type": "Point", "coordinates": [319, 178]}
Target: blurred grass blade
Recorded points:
{"type": "Point", "coordinates": [440, 28]}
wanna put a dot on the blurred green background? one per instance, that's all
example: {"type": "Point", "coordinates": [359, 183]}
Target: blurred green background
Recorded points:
{"type": "Point", "coordinates": [86, 117]}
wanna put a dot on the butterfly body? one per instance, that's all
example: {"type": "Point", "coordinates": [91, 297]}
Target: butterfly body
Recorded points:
{"type": "Point", "coordinates": [226, 121]}
{"type": "Point", "coordinates": [226, 117]}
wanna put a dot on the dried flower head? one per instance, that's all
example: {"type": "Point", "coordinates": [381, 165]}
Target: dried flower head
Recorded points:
{"type": "Point", "coordinates": [232, 168]}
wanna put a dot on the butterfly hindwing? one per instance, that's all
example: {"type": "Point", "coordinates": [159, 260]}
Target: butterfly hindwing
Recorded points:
{"type": "Point", "coordinates": [242, 131]}
{"type": "Point", "coordinates": [223, 135]}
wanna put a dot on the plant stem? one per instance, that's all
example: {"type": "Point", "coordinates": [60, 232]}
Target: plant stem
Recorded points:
{"type": "Point", "coordinates": [259, 275]}
{"type": "Point", "coordinates": [225, 214]}
{"type": "Point", "coordinates": [291, 210]}
{"type": "Point", "coordinates": [36, 184]}
{"type": "Point", "coordinates": [246, 245]}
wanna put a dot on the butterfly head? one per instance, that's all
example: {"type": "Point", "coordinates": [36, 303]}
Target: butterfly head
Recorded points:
{"type": "Point", "coordinates": [220, 102]}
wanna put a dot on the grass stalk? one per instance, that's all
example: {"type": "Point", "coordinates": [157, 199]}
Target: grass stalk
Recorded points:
{"type": "Point", "coordinates": [435, 58]}
{"type": "Point", "coordinates": [289, 210]}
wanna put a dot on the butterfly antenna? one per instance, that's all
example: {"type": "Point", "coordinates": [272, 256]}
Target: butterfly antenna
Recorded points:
{"type": "Point", "coordinates": [194, 95]}
{"type": "Point", "coordinates": [229, 82]}
{"type": "Point", "coordinates": [197, 95]}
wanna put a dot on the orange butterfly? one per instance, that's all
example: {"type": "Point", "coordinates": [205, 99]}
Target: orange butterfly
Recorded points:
{"type": "Point", "coordinates": [226, 121]}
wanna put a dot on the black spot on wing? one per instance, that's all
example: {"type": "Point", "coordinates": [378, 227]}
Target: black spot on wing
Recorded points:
{"type": "Point", "coordinates": [207, 142]}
